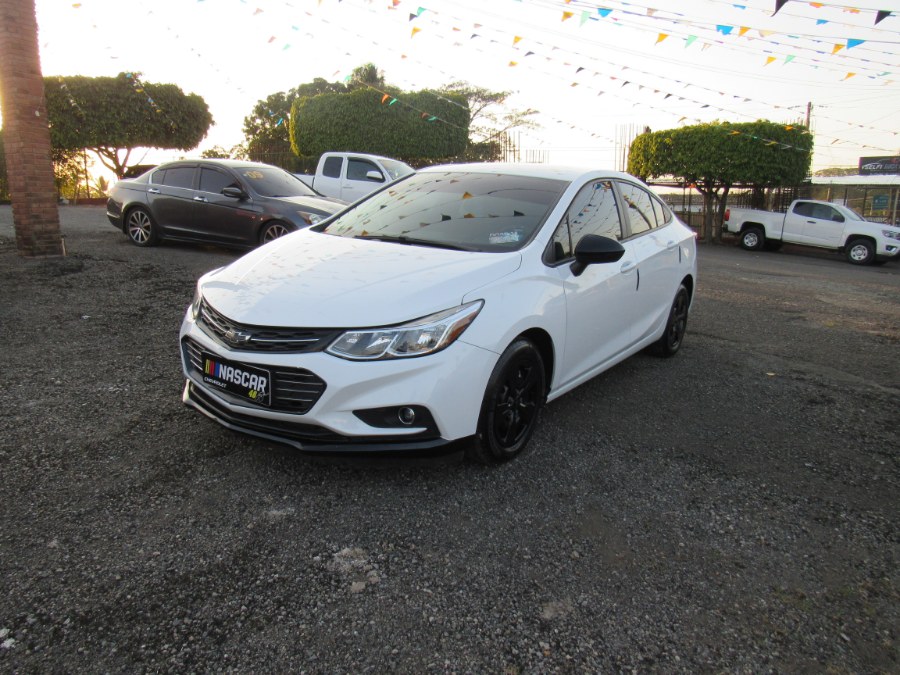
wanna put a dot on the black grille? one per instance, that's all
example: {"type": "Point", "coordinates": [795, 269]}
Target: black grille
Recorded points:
{"type": "Point", "coordinates": [294, 390]}
{"type": "Point", "coordinates": [248, 338]}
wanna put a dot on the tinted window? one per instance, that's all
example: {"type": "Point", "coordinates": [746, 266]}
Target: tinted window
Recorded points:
{"type": "Point", "coordinates": [179, 176]}
{"type": "Point", "coordinates": [157, 177]}
{"type": "Point", "coordinates": [270, 181]}
{"type": "Point", "coordinates": [640, 207]}
{"type": "Point", "coordinates": [215, 181]}
{"type": "Point", "coordinates": [358, 168]}
{"type": "Point", "coordinates": [594, 211]}
{"type": "Point", "coordinates": [661, 210]}
{"type": "Point", "coordinates": [473, 211]}
{"type": "Point", "coordinates": [804, 209]}
{"type": "Point", "coordinates": [332, 167]}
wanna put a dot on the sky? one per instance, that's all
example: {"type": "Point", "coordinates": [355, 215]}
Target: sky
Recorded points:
{"type": "Point", "coordinates": [598, 72]}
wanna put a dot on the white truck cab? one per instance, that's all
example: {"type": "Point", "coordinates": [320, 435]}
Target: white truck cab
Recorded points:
{"type": "Point", "coordinates": [352, 175]}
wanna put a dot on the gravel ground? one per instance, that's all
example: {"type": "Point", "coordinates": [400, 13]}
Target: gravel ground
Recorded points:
{"type": "Point", "coordinates": [733, 509]}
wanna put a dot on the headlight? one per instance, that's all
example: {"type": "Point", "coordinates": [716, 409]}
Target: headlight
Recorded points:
{"type": "Point", "coordinates": [890, 234]}
{"type": "Point", "coordinates": [195, 303]}
{"type": "Point", "coordinates": [417, 338]}
{"type": "Point", "coordinates": [309, 218]}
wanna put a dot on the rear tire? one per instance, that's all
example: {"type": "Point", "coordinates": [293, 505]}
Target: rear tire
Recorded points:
{"type": "Point", "coordinates": [513, 400]}
{"type": "Point", "coordinates": [676, 326]}
{"type": "Point", "coordinates": [753, 238]}
{"type": "Point", "coordinates": [860, 252]}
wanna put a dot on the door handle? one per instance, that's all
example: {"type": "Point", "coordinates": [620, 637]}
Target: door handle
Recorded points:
{"type": "Point", "coordinates": [200, 199]}
{"type": "Point", "coordinates": [628, 267]}
{"type": "Point", "coordinates": [153, 191]}
{"type": "Point", "coordinates": [811, 222]}
{"type": "Point", "coordinates": [671, 245]}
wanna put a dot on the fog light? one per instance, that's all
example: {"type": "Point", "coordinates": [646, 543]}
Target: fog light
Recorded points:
{"type": "Point", "coordinates": [406, 416]}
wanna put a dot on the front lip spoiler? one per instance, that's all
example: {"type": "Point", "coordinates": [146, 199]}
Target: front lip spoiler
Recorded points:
{"type": "Point", "coordinates": [346, 444]}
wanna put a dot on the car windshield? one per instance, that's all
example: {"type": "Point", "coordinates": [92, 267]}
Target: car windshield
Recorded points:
{"type": "Point", "coordinates": [454, 209]}
{"type": "Point", "coordinates": [396, 169]}
{"type": "Point", "coordinates": [270, 181]}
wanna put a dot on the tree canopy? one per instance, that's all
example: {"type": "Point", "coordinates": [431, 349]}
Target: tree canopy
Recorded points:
{"type": "Point", "coordinates": [419, 127]}
{"type": "Point", "coordinates": [113, 115]}
{"type": "Point", "coordinates": [716, 156]}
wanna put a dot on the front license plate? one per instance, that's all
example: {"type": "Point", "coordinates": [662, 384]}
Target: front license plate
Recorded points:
{"type": "Point", "coordinates": [253, 384]}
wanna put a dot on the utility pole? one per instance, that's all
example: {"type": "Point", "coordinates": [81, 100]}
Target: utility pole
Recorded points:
{"type": "Point", "coordinates": [808, 113]}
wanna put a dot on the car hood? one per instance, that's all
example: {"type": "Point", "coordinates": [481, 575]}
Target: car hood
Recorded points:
{"type": "Point", "coordinates": [310, 279]}
{"type": "Point", "coordinates": [326, 204]}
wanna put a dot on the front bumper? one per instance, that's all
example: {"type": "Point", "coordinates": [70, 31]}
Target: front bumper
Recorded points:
{"type": "Point", "coordinates": [449, 385]}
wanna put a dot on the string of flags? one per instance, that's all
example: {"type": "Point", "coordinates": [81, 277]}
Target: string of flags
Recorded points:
{"type": "Point", "coordinates": [523, 51]}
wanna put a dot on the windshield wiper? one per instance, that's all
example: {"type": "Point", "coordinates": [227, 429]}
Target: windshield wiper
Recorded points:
{"type": "Point", "coordinates": [410, 241]}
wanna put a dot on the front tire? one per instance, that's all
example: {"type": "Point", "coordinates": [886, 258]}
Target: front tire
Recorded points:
{"type": "Point", "coordinates": [860, 252]}
{"type": "Point", "coordinates": [273, 230]}
{"type": "Point", "coordinates": [513, 399]}
{"type": "Point", "coordinates": [141, 228]}
{"type": "Point", "coordinates": [753, 238]}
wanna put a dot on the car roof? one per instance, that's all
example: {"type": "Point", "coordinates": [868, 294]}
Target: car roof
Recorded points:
{"type": "Point", "coordinates": [552, 171]}
{"type": "Point", "coordinates": [231, 163]}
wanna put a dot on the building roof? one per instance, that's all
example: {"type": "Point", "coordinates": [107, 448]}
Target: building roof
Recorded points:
{"type": "Point", "coordinates": [861, 181]}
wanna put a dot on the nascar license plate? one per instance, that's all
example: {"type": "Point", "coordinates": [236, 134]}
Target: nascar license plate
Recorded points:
{"type": "Point", "coordinates": [253, 384]}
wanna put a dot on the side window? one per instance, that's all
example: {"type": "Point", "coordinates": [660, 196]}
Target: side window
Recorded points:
{"type": "Point", "coordinates": [157, 177]}
{"type": "Point", "coordinates": [358, 168]}
{"type": "Point", "coordinates": [824, 212]}
{"type": "Point", "coordinates": [593, 211]}
{"type": "Point", "coordinates": [560, 247]}
{"type": "Point", "coordinates": [179, 176]}
{"type": "Point", "coordinates": [332, 167]}
{"type": "Point", "coordinates": [640, 207]}
{"type": "Point", "coordinates": [215, 181]}
{"type": "Point", "coordinates": [663, 214]}
{"type": "Point", "coordinates": [804, 209]}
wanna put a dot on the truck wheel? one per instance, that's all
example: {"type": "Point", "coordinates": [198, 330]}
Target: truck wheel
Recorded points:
{"type": "Point", "coordinates": [753, 238]}
{"type": "Point", "coordinates": [860, 252]}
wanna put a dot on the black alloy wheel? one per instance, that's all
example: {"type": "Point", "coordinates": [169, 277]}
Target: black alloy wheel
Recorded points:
{"type": "Point", "coordinates": [513, 400]}
{"type": "Point", "coordinates": [676, 326]}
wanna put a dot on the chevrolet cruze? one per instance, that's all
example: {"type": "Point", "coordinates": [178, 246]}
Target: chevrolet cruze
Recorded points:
{"type": "Point", "coordinates": [449, 306]}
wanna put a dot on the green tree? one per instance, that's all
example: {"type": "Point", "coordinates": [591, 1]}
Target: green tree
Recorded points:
{"type": "Point", "coordinates": [716, 156]}
{"type": "Point", "coordinates": [113, 115]}
{"type": "Point", "coordinates": [490, 123]}
{"type": "Point", "coordinates": [419, 127]}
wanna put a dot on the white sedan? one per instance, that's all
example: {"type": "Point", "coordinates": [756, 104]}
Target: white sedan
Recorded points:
{"type": "Point", "coordinates": [450, 305]}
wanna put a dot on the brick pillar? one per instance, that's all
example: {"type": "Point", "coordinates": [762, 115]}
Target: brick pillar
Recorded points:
{"type": "Point", "coordinates": [26, 134]}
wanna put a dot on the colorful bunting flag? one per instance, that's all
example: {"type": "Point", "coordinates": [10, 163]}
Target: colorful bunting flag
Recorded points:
{"type": "Point", "coordinates": [567, 15]}
{"type": "Point", "coordinates": [661, 37]}
{"type": "Point", "coordinates": [882, 15]}
{"type": "Point", "coordinates": [778, 5]}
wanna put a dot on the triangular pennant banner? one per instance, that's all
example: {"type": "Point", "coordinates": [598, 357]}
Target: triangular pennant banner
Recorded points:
{"type": "Point", "coordinates": [724, 30]}
{"type": "Point", "coordinates": [882, 15]}
{"type": "Point", "coordinates": [853, 43]}
{"type": "Point", "coordinates": [769, 59]}
{"type": "Point", "coordinates": [661, 37]}
{"type": "Point", "coordinates": [567, 15]}
{"type": "Point", "coordinates": [690, 40]}
{"type": "Point", "coordinates": [778, 5]}
{"type": "Point", "coordinates": [604, 12]}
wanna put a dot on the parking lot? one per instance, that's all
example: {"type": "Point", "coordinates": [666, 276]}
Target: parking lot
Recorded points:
{"type": "Point", "coordinates": [731, 509]}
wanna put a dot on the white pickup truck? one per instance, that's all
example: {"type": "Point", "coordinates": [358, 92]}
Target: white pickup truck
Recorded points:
{"type": "Point", "coordinates": [351, 175]}
{"type": "Point", "coordinates": [815, 223]}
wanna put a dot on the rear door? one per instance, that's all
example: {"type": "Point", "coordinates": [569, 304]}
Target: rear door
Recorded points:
{"type": "Point", "coordinates": [329, 176]}
{"type": "Point", "coordinates": [171, 196]}
{"type": "Point", "coordinates": [657, 256]}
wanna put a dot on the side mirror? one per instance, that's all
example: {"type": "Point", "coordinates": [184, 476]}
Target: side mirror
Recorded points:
{"type": "Point", "coordinates": [594, 249]}
{"type": "Point", "coordinates": [234, 193]}
{"type": "Point", "coordinates": [374, 176]}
